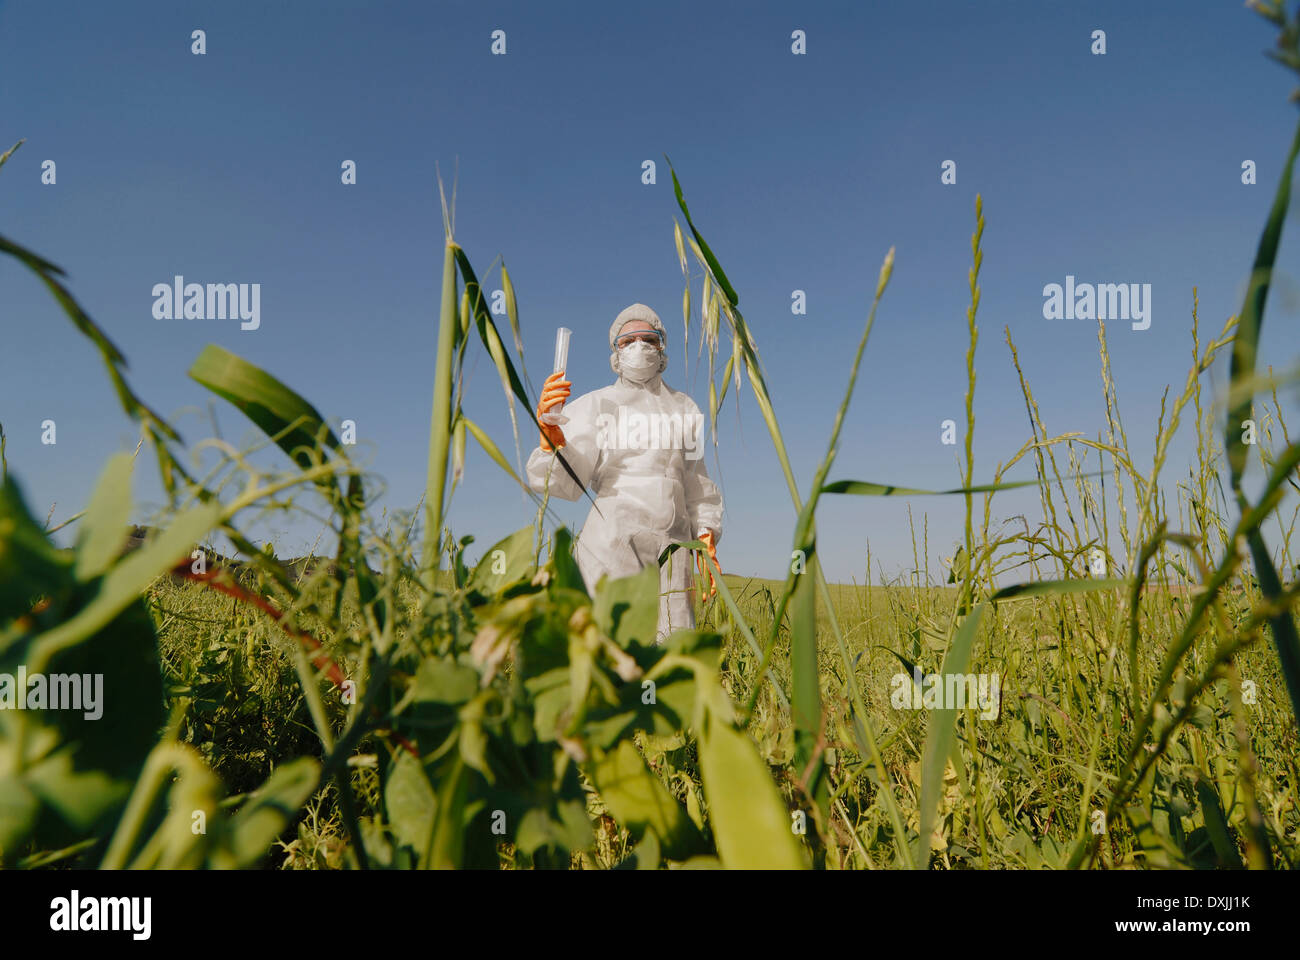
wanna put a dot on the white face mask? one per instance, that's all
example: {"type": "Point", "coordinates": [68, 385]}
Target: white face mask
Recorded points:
{"type": "Point", "coordinates": [638, 361]}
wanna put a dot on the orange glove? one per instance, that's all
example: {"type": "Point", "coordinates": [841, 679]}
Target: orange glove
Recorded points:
{"type": "Point", "coordinates": [554, 392]}
{"type": "Point", "coordinates": [707, 537]}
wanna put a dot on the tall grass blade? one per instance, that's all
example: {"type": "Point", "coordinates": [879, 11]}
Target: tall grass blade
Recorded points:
{"type": "Point", "coordinates": [939, 736]}
{"type": "Point", "coordinates": [864, 488]}
{"type": "Point", "coordinates": [714, 266]}
{"type": "Point", "coordinates": [1244, 349]}
{"type": "Point", "coordinates": [1245, 344]}
{"type": "Point", "coordinates": [440, 421]}
{"type": "Point", "coordinates": [763, 398]}
{"type": "Point", "coordinates": [113, 359]}
{"type": "Point", "coordinates": [491, 338]}
{"type": "Point", "coordinates": [1040, 588]}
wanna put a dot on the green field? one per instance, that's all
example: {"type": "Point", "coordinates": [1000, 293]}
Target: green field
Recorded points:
{"type": "Point", "coordinates": [1136, 644]}
{"type": "Point", "coordinates": [1016, 800]}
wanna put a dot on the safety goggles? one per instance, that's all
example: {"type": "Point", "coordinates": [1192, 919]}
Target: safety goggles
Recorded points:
{"type": "Point", "coordinates": [652, 337]}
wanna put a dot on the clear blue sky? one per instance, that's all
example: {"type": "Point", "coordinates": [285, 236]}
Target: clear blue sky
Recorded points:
{"type": "Point", "coordinates": [801, 171]}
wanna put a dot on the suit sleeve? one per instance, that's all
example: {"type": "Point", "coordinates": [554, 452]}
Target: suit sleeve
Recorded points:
{"type": "Point", "coordinates": [579, 451]}
{"type": "Point", "coordinates": [703, 499]}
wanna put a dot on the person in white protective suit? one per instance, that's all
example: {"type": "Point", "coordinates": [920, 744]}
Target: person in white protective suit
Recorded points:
{"type": "Point", "coordinates": [638, 446]}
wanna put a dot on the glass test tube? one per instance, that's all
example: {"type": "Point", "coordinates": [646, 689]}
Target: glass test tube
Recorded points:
{"type": "Point", "coordinates": [553, 416]}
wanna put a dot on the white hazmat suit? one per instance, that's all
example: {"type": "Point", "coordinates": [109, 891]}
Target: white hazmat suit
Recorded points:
{"type": "Point", "coordinates": [639, 448]}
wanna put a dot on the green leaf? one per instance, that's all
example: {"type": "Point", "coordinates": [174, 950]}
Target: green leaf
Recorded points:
{"type": "Point", "coordinates": [504, 563]}
{"type": "Point", "coordinates": [701, 863]}
{"type": "Point", "coordinates": [444, 681]}
{"type": "Point", "coordinates": [550, 693]}
{"type": "Point", "coordinates": [19, 809]}
{"type": "Point", "coordinates": [640, 802]}
{"type": "Point", "coordinates": [574, 831]}
{"type": "Point", "coordinates": [627, 609]}
{"type": "Point", "coordinates": [81, 763]}
{"type": "Point", "coordinates": [606, 729]}
{"type": "Point", "coordinates": [566, 828]}
{"type": "Point", "coordinates": [676, 690]}
{"type": "Point", "coordinates": [535, 831]}
{"type": "Point", "coordinates": [272, 808]}
{"type": "Point", "coordinates": [648, 855]}
{"type": "Point", "coordinates": [409, 802]}
{"type": "Point", "coordinates": [1216, 825]}
{"type": "Point", "coordinates": [126, 580]}
{"type": "Point", "coordinates": [512, 313]}
{"type": "Point", "coordinates": [473, 738]}
{"type": "Point", "coordinates": [301, 432]}
{"type": "Point", "coordinates": [491, 449]}
{"type": "Point", "coordinates": [447, 845]}
{"type": "Point", "coordinates": [130, 704]}
{"type": "Point", "coordinates": [29, 564]}
{"type": "Point", "coordinates": [674, 704]}
{"type": "Point", "coordinates": [750, 822]}
{"type": "Point", "coordinates": [277, 410]}
{"type": "Point", "coordinates": [563, 564]}
{"type": "Point", "coordinates": [78, 801]}
{"type": "Point", "coordinates": [908, 665]}
{"type": "Point", "coordinates": [960, 568]}
{"type": "Point", "coordinates": [1158, 850]}
{"type": "Point", "coordinates": [103, 528]}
